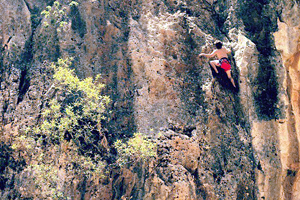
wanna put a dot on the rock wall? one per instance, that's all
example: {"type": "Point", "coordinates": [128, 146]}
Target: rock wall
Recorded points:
{"type": "Point", "coordinates": [287, 31]}
{"type": "Point", "coordinates": [214, 141]}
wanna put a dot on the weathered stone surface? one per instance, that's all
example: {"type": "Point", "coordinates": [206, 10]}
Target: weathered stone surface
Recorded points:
{"type": "Point", "coordinates": [215, 142]}
{"type": "Point", "coordinates": [285, 40]}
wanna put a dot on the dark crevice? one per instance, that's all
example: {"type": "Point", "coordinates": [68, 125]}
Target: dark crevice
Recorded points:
{"type": "Point", "coordinates": [34, 15]}
{"type": "Point", "coordinates": [200, 190]}
{"type": "Point", "coordinates": [35, 21]}
{"type": "Point", "coordinates": [4, 162]}
{"type": "Point", "coordinates": [219, 16]}
{"type": "Point", "coordinates": [218, 171]}
{"type": "Point", "coordinates": [259, 28]}
{"type": "Point", "coordinates": [121, 122]}
{"type": "Point", "coordinates": [28, 54]}
{"type": "Point", "coordinates": [242, 192]}
{"type": "Point", "coordinates": [191, 90]}
{"type": "Point", "coordinates": [83, 187]}
{"type": "Point", "coordinates": [24, 85]}
{"type": "Point", "coordinates": [78, 24]}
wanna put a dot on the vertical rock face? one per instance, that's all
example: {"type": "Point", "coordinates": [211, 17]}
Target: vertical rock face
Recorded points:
{"type": "Point", "coordinates": [288, 29]}
{"type": "Point", "coordinates": [214, 141]}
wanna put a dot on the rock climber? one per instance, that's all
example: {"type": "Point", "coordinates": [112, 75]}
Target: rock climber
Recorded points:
{"type": "Point", "coordinates": [223, 62]}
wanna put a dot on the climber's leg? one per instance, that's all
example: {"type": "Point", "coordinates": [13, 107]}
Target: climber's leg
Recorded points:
{"type": "Point", "coordinates": [228, 72]}
{"type": "Point", "coordinates": [214, 64]}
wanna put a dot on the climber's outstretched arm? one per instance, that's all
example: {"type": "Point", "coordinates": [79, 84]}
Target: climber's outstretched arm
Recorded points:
{"type": "Point", "coordinates": [208, 55]}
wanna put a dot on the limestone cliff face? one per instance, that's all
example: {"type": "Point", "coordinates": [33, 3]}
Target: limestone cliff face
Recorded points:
{"type": "Point", "coordinates": [214, 141]}
{"type": "Point", "coordinates": [287, 31]}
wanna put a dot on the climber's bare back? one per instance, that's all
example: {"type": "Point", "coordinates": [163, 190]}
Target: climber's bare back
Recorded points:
{"type": "Point", "coordinates": [221, 53]}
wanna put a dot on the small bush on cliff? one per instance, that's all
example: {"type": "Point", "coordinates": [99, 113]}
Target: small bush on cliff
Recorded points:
{"type": "Point", "coordinates": [55, 15]}
{"type": "Point", "coordinates": [135, 149]}
{"type": "Point", "coordinates": [53, 29]}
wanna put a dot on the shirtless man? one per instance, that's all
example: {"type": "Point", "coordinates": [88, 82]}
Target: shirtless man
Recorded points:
{"type": "Point", "coordinates": [223, 61]}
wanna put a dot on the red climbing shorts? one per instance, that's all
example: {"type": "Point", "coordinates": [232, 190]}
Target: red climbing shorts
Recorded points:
{"type": "Point", "coordinates": [225, 64]}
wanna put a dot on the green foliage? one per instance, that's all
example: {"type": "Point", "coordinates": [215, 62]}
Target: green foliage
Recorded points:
{"type": "Point", "coordinates": [81, 109]}
{"type": "Point", "coordinates": [55, 149]}
{"type": "Point", "coordinates": [55, 15]}
{"type": "Point", "coordinates": [135, 149]}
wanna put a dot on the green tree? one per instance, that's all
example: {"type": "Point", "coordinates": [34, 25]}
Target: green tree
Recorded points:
{"type": "Point", "coordinates": [65, 145]}
{"type": "Point", "coordinates": [78, 109]}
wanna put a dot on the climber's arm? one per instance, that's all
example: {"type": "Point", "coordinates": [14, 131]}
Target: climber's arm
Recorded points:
{"type": "Point", "coordinates": [208, 55]}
